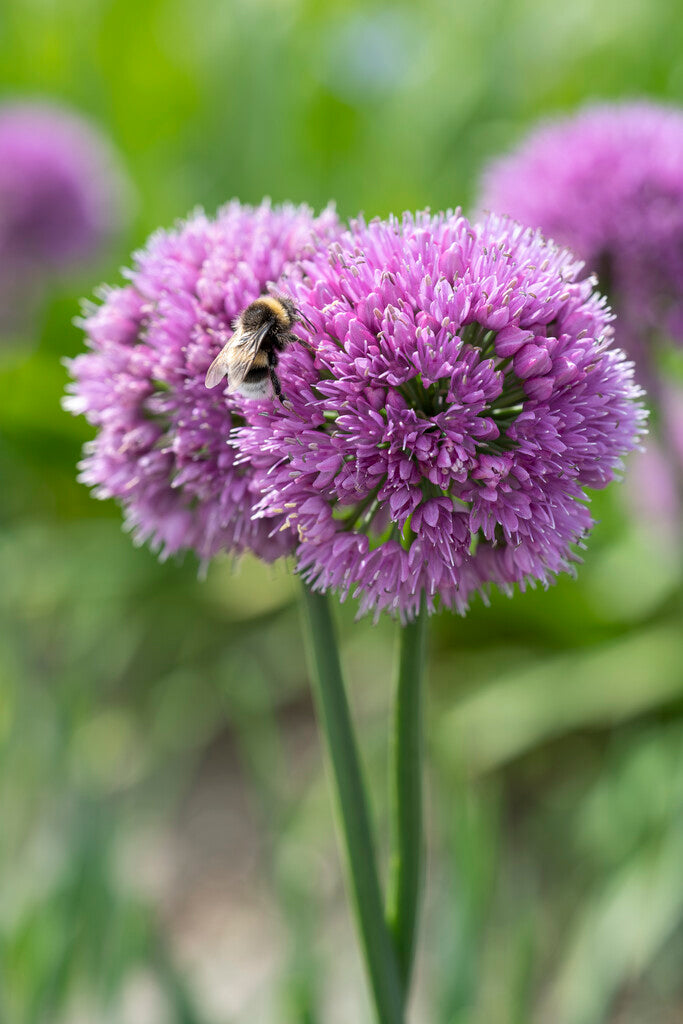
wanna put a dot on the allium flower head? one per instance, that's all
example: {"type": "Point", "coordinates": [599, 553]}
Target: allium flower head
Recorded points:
{"type": "Point", "coordinates": [61, 192]}
{"type": "Point", "coordinates": [162, 447]}
{"type": "Point", "coordinates": [608, 182]}
{"type": "Point", "coordinates": [462, 395]}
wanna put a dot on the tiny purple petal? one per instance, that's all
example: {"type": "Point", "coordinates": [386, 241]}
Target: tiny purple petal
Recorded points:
{"type": "Point", "coordinates": [532, 361]}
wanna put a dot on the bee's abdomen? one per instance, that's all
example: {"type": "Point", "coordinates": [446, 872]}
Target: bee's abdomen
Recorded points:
{"type": "Point", "coordinates": [256, 374]}
{"type": "Point", "coordinates": [257, 371]}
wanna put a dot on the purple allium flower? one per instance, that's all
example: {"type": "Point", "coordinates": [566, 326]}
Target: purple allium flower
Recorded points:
{"type": "Point", "coordinates": [608, 182]}
{"type": "Point", "coordinates": [61, 193]}
{"type": "Point", "coordinates": [162, 446]}
{"type": "Point", "coordinates": [462, 396]}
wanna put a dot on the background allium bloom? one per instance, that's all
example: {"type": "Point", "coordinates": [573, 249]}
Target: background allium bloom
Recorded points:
{"type": "Point", "coordinates": [655, 480]}
{"type": "Point", "coordinates": [608, 182]}
{"type": "Point", "coordinates": [463, 394]}
{"type": "Point", "coordinates": [162, 446]}
{"type": "Point", "coordinates": [61, 193]}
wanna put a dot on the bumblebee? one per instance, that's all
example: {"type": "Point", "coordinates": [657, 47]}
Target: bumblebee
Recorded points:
{"type": "Point", "coordinates": [250, 356]}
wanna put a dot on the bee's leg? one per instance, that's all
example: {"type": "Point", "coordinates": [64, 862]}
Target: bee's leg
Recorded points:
{"type": "Point", "coordinates": [304, 320]}
{"type": "Point", "coordinates": [274, 379]}
{"type": "Point", "coordinates": [302, 341]}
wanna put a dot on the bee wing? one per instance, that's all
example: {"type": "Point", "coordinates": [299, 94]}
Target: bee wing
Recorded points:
{"type": "Point", "coordinates": [240, 364]}
{"type": "Point", "coordinates": [218, 369]}
{"type": "Point", "coordinates": [245, 346]}
{"type": "Point", "coordinates": [236, 357]}
{"type": "Point", "coordinates": [250, 341]}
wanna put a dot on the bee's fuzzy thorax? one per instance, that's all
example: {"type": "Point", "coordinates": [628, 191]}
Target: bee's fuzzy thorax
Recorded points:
{"type": "Point", "coordinates": [278, 308]}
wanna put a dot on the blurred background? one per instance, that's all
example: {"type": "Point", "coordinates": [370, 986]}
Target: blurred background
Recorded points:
{"type": "Point", "coordinates": [167, 846]}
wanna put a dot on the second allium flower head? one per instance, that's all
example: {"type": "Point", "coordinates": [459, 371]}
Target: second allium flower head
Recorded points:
{"type": "Point", "coordinates": [460, 394]}
{"type": "Point", "coordinates": [162, 444]}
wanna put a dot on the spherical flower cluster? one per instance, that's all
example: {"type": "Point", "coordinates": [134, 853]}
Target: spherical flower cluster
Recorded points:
{"type": "Point", "coordinates": [61, 194]}
{"type": "Point", "coordinates": [162, 447]}
{"type": "Point", "coordinates": [608, 182]}
{"type": "Point", "coordinates": [461, 394]}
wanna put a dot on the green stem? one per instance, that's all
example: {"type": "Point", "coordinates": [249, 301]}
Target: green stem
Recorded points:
{"type": "Point", "coordinates": [335, 721]}
{"type": "Point", "coordinates": [405, 880]}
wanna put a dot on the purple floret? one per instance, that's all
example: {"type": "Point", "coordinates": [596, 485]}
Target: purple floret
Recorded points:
{"type": "Point", "coordinates": [608, 182]}
{"type": "Point", "coordinates": [162, 445]}
{"type": "Point", "coordinates": [463, 393]}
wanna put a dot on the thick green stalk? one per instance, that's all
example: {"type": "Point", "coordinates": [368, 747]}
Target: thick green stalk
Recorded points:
{"type": "Point", "coordinates": [335, 721]}
{"type": "Point", "coordinates": [405, 878]}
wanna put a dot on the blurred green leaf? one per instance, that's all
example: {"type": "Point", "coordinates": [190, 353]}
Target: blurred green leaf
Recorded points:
{"type": "Point", "coordinates": [600, 687]}
{"type": "Point", "coordinates": [620, 932]}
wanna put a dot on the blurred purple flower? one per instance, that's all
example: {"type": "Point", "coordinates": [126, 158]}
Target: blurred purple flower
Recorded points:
{"type": "Point", "coordinates": [463, 394]}
{"type": "Point", "coordinates": [655, 483]}
{"type": "Point", "coordinates": [61, 195]}
{"type": "Point", "coordinates": [608, 182]}
{"type": "Point", "coordinates": [162, 447]}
